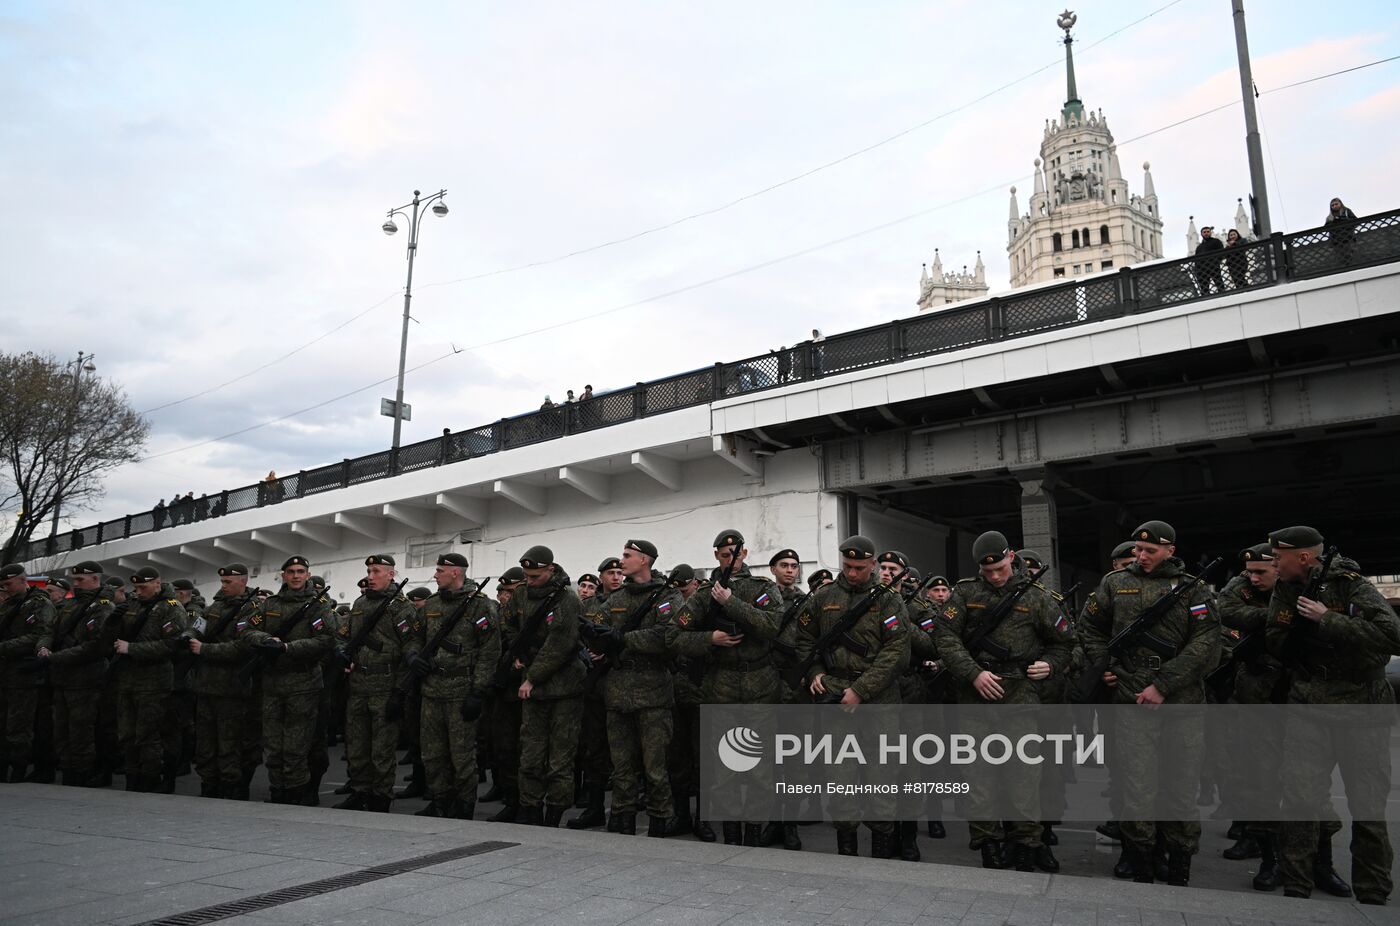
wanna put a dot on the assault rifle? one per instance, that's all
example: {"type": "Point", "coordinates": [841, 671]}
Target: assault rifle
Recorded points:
{"type": "Point", "coordinates": [345, 655]}
{"type": "Point", "coordinates": [421, 664]}
{"type": "Point", "coordinates": [35, 664]}
{"type": "Point", "coordinates": [269, 650]}
{"type": "Point", "coordinates": [780, 647]}
{"type": "Point", "coordinates": [978, 642]}
{"type": "Point", "coordinates": [840, 632]}
{"type": "Point", "coordinates": [119, 661]}
{"type": "Point", "coordinates": [1301, 631]}
{"type": "Point", "coordinates": [1139, 632]}
{"type": "Point", "coordinates": [184, 659]}
{"type": "Point", "coordinates": [610, 640]}
{"type": "Point", "coordinates": [715, 618]}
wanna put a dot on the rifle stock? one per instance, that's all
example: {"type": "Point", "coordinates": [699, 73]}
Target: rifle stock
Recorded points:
{"type": "Point", "coordinates": [840, 630]}
{"type": "Point", "coordinates": [410, 683]}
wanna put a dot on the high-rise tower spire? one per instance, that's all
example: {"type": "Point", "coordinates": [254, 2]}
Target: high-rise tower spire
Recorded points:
{"type": "Point", "coordinates": [1073, 108]}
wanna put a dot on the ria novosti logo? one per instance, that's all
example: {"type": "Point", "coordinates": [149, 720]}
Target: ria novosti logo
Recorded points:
{"type": "Point", "coordinates": [741, 749]}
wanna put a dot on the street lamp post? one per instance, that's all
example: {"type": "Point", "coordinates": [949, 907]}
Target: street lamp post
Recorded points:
{"type": "Point", "coordinates": [418, 206]}
{"type": "Point", "coordinates": [83, 364]}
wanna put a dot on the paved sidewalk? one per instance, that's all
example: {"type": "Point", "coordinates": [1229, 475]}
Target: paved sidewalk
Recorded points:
{"type": "Point", "coordinates": [75, 856]}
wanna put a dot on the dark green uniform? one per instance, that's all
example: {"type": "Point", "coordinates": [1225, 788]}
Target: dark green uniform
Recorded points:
{"type": "Point", "coordinates": [144, 681]}
{"type": "Point", "coordinates": [222, 698]}
{"type": "Point", "coordinates": [463, 668]}
{"type": "Point", "coordinates": [77, 666]}
{"type": "Point", "coordinates": [291, 684]}
{"type": "Point", "coordinates": [1342, 662]}
{"type": "Point", "coordinates": [1190, 647]}
{"type": "Point", "coordinates": [371, 740]}
{"type": "Point", "coordinates": [24, 620]}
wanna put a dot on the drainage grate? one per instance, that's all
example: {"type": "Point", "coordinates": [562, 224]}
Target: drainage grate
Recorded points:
{"type": "Point", "coordinates": [325, 886]}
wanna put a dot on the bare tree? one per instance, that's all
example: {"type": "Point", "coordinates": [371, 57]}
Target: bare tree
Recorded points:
{"type": "Point", "coordinates": [60, 432]}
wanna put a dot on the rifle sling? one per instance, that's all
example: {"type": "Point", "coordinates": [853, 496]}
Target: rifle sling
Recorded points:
{"type": "Point", "coordinates": [64, 632]}
{"type": "Point", "coordinates": [531, 628]}
{"type": "Point", "coordinates": [362, 636]}
{"type": "Point", "coordinates": [19, 606]}
{"type": "Point", "coordinates": [228, 617]}
{"type": "Point", "coordinates": [447, 627]}
{"type": "Point", "coordinates": [978, 642]}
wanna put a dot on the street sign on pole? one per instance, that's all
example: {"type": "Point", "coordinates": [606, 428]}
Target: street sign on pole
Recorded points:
{"type": "Point", "coordinates": [386, 408]}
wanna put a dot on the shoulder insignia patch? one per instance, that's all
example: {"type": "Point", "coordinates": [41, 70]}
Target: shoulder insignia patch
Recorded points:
{"type": "Point", "coordinates": [1235, 634]}
{"type": "Point", "coordinates": [1021, 609]}
{"type": "Point", "coordinates": [1061, 624]}
{"type": "Point", "coordinates": [805, 617]}
{"type": "Point", "coordinates": [167, 627]}
{"type": "Point", "coordinates": [761, 600]}
{"type": "Point", "coordinates": [483, 622]}
{"type": "Point", "coordinates": [926, 624]}
{"type": "Point", "coordinates": [402, 625]}
{"type": "Point", "coordinates": [1284, 617]}
{"type": "Point", "coordinates": [1127, 591]}
{"type": "Point", "coordinates": [832, 607]}
{"type": "Point", "coordinates": [256, 619]}
{"type": "Point", "coordinates": [664, 608]}
{"type": "Point", "coordinates": [683, 619]}
{"type": "Point", "coordinates": [317, 625]}
{"type": "Point", "coordinates": [892, 623]}
{"type": "Point", "coordinates": [1200, 611]}
{"type": "Point", "coordinates": [92, 623]}
{"type": "Point", "coordinates": [344, 630]}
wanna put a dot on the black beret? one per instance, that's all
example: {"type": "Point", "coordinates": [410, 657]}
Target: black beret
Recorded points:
{"type": "Point", "coordinates": [233, 569]}
{"type": "Point", "coordinates": [728, 538]}
{"type": "Point", "coordinates": [453, 559]}
{"type": "Point", "coordinates": [1032, 558]}
{"type": "Point", "coordinates": [818, 577]}
{"type": "Point", "coordinates": [1292, 538]}
{"type": "Point", "coordinates": [1256, 553]}
{"type": "Point", "coordinates": [782, 555]}
{"type": "Point", "coordinates": [12, 570]}
{"type": "Point", "coordinates": [588, 577]}
{"type": "Point", "coordinates": [858, 547]}
{"type": "Point", "coordinates": [114, 581]}
{"type": "Point", "coordinates": [145, 574]}
{"type": "Point", "coordinates": [645, 547]}
{"type": "Point", "coordinates": [612, 562]}
{"type": "Point", "coordinates": [62, 583]}
{"type": "Point", "coordinates": [893, 556]}
{"type": "Point", "coordinates": [683, 573]}
{"type": "Point", "coordinates": [86, 568]}
{"type": "Point", "coordinates": [914, 576]}
{"type": "Point", "coordinates": [513, 574]}
{"type": "Point", "coordinates": [420, 594]}
{"type": "Point", "coordinates": [317, 581]}
{"type": "Point", "coordinates": [183, 585]}
{"type": "Point", "coordinates": [363, 583]}
{"type": "Point", "coordinates": [342, 609]}
{"type": "Point", "coordinates": [1159, 532]}
{"type": "Point", "coordinates": [295, 561]}
{"type": "Point", "coordinates": [1126, 548]}
{"type": "Point", "coordinates": [380, 559]}
{"type": "Point", "coordinates": [537, 557]}
{"type": "Point", "coordinates": [936, 581]}
{"type": "Point", "coordinates": [989, 548]}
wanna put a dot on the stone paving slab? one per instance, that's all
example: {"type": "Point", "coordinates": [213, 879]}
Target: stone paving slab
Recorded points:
{"type": "Point", "coordinates": [76, 856]}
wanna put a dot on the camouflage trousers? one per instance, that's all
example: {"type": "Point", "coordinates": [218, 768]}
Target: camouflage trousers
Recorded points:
{"type": "Point", "coordinates": [1158, 766]}
{"type": "Point", "coordinates": [220, 740]}
{"type": "Point", "coordinates": [639, 741]}
{"type": "Point", "coordinates": [447, 745]}
{"type": "Point", "coordinates": [18, 706]}
{"type": "Point", "coordinates": [593, 753]}
{"type": "Point", "coordinates": [1312, 748]}
{"type": "Point", "coordinates": [289, 725]}
{"type": "Point", "coordinates": [75, 727]}
{"type": "Point", "coordinates": [548, 743]}
{"type": "Point", "coordinates": [684, 757]}
{"type": "Point", "coordinates": [1010, 785]}
{"type": "Point", "coordinates": [138, 725]}
{"type": "Point", "coordinates": [177, 729]}
{"type": "Point", "coordinates": [371, 744]}
{"type": "Point", "coordinates": [505, 719]}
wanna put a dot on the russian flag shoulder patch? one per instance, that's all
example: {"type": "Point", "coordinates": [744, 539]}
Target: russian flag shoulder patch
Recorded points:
{"type": "Point", "coordinates": [761, 600]}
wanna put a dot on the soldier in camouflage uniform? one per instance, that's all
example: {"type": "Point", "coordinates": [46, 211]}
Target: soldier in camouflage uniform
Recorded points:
{"type": "Point", "coordinates": [77, 661]}
{"type": "Point", "coordinates": [144, 647]}
{"type": "Point", "coordinates": [371, 738]}
{"type": "Point", "coordinates": [1011, 664]}
{"type": "Point", "coordinates": [550, 692]}
{"type": "Point", "coordinates": [683, 761]}
{"type": "Point", "coordinates": [732, 630]}
{"type": "Point", "coordinates": [593, 751]}
{"type": "Point", "coordinates": [110, 757]}
{"type": "Point", "coordinates": [1171, 671]}
{"type": "Point", "coordinates": [639, 690]}
{"type": "Point", "coordinates": [410, 728]}
{"type": "Point", "coordinates": [1345, 636]}
{"type": "Point", "coordinates": [455, 685]}
{"type": "Point", "coordinates": [26, 617]}
{"type": "Point", "coordinates": [503, 714]}
{"type": "Point", "coordinates": [786, 567]}
{"type": "Point", "coordinates": [221, 697]}
{"type": "Point", "coordinates": [177, 726]}
{"type": "Point", "coordinates": [847, 675]}
{"type": "Point", "coordinates": [296, 629]}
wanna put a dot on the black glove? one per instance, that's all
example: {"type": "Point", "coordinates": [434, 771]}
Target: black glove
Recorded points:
{"type": "Point", "coordinates": [419, 667]}
{"type": "Point", "coordinates": [272, 647]}
{"type": "Point", "coordinates": [342, 658]}
{"type": "Point", "coordinates": [610, 642]}
{"type": "Point", "coordinates": [471, 708]}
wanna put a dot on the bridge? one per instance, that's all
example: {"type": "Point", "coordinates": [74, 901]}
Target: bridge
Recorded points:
{"type": "Point", "coordinates": [1063, 414]}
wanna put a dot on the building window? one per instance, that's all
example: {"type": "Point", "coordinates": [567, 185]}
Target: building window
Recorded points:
{"type": "Point", "coordinates": [1076, 270]}
{"type": "Point", "coordinates": [1075, 237]}
{"type": "Point", "coordinates": [1056, 243]}
{"type": "Point", "coordinates": [424, 551]}
{"type": "Point", "coordinates": [1106, 265]}
{"type": "Point", "coordinates": [1059, 271]}
{"type": "Point", "coordinates": [1086, 239]}
{"type": "Point", "coordinates": [1103, 234]}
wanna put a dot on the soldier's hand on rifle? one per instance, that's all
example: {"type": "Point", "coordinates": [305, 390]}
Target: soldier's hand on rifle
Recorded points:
{"type": "Point", "coordinates": [817, 687]}
{"type": "Point", "coordinates": [720, 594]}
{"type": "Point", "coordinates": [850, 698]}
{"type": "Point", "coordinates": [196, 646]}
{"type": "Point", "coordinates": [720, 638]}
{"type": "Point", "coordinates": [272, 645]}
{"type": "Point", "coordinates": [525, 689]}
{"type": "Point", "coordinates": [44, 652]}
{"type": "Point", "coordinates": [517, 665]}
{"type": "Point", "coordinates": [1151, 696]}
{"type": "Point", "coordinates": [988, 686]}
{"type": "Point", "coordinates": [419, 667]}
{"type": "Point", "coordinates": [121, 646]}
{"type": "Point", "coordinates": [1038, 670]}
{"type": "Point", "coordinates": [1312, 610]}
{"type": "Point", "coordinates": [1110, 680]}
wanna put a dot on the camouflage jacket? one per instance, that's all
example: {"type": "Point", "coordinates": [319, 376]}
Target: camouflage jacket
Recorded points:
{"type": "Point", "coordinates": [465, 663]}
{"type": "Point", "coordinates": [224, 650]}
{"type": "Point", "coordinates": [1191, 628]}
{"type": "Point", "coordinates": [641, 674]}
{"type": "Point", "coordinates": [874, 675]}
{"type": "Point", "coordinates": [298, 670]}
{"type": "Point", "coordinates": [79, 644]}
{"type": "Point", "coordinates": [1345, 653]}
{"type": "Point", "coordinates": [743, 674]}
{"type": "Point", "coordinates": [380, 660]}
{"type": "Point", "coordinates": [24, 621]}
{"type": "Point", "coordinates": [150, 627]}
{"type": "Point", "coordinates": [551, 658]}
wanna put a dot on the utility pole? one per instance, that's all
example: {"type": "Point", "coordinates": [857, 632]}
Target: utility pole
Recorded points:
{"type": "Point", "coordinates": [1260, 194]}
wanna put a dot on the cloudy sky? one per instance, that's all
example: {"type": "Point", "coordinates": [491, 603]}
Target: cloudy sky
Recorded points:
{"type": "Point", "coordinates": [194, 191]}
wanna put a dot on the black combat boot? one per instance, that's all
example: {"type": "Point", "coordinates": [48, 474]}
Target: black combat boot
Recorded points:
{"type": "Point", "coordinates": [529, 816]}
{"type": "Point", "coordinates": [493, 793]}
{"type": "Point", "coordinates": [274, 795]}
{"type": "Point", "coordinates": [308, 795]}
{"type": "Point", "coordinates": [1045, 856]}
{"type": "Point", "coordinates": [629, 824]}
{"type": "Point", "coordinates": [1324, 875]}
{"type": "Point", "coordinates": [753, 834]}
{"type": "Point", "coordinates": [683, 822]}
{"type": "Point", "coordinates": [1236, 830]}
{"type": "Point", "coordinates": [1022, 858]}
{"type": "Point", "coordinates": [100, 779]}
{"type": "Point", "coordinates": [1160, 868]}
{"type": "Point", "coordinates": [1269, 877]}
{"type": "Point", "coordinates": [379, 803]}
{"type": "Point", "coordinates": [509, 812]}
{"type": "Point", "coordinates": [614, 823]}
{"type": "Point", "coordinates": [17, 773]}
{"type": "Point", "coordinates": [417, 787]}
{"type": "Point", "coordinates": [552, 816]}
{"type": "Point", "coordinates": [431, 810]}
{"type": "Point", "coordinates": [237, 792]}
{"type": "Point", "coordinates": [206, 789]}
{"type": "Point", "coordinates": [1143, 867]}
{"type": "Point", "coordinates": [908, 840]}
{"type": "Point", "coordinates": [356, 801]}
{"type": "Point", "coordinates": [1110, 830]}
{"type": "Point", "coordinates": [1244, 847]}
{"type": "Point", "coordinates": [991, 856]}
{"type": "Point", "coordinates": [1178, 868]}
{"type": "Point", "coordinates": [734, 833]}
{"type": "Point", "coordinates": [847, 842]}
{"type": "Point", "coordinates": [881, 844]}
{"type": "Point", "coordinates": [1047, 833]}
{"type": "Point", "coordinates": [345, 789]}
{"type": "Point", "coordinates": [936, 830]}
{"type": "Point", "coordinates": [593, 810]}
{"type": "Point", "coordinates": [791, 840]}
{"type": "Point", "coordinates": [704, 832]}
{"type": "Point", "coordinates": [772, 834]}
{"type": "Point", "coordinates": [660, 827]}
{"type": "Point", "coordinates": [1123, 868]}
{"type": "Point", "coordinates": [462, 810]}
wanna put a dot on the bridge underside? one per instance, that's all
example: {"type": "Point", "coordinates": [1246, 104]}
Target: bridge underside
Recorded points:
{"type": "Point", "coordinates": [1226, 443]}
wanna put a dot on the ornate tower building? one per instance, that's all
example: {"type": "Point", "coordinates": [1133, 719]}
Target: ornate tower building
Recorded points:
{"type": "Point", "coordinates": [937, 288]}
{"type": "Point", "coordinates": [1082, 217]}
